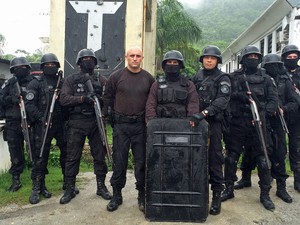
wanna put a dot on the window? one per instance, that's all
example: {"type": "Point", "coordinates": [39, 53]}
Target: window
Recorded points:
{"type": "Point", "coordinates": [270, 43]}
{"type": "Point", "coordinates": [262, 46]}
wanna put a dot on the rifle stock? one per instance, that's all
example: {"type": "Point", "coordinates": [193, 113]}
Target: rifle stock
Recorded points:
{"type": "Point", "coordinates": [50, 113]}
{"type": "Point", "coordinates": [100, 124]}
{"type": "Point", "coordinates": [258, 125]}
{"type": "Point", "coordinates": [24, 123]}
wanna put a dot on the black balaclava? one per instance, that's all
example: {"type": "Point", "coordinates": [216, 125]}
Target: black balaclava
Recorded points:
{"type": "Point", "coordinates": [50, 70]}
{"type": "Point", "coordinates": [250, 65]}
{"type": "Point", "coordinates": [291, 64]}
{"type": "Point", "coordinates": [87, 66]}
{"type": "Point", "coordinates": [172, 72]}
{"type": "Point", "coordinates": [274, 69]}
{"type": "Point", "coordinates": [21, 72]}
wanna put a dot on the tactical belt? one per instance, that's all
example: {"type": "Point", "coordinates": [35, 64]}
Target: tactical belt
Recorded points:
{"type": "Point", "coordinates": [119, 118]}
{"type": "Point", "coordinates": [81, 116]}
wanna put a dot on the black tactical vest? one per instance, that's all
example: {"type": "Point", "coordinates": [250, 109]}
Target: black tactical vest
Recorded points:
{"type": "Point", "coordinates": [80, 89]}
{"type": "Point", "coordinates": [12, 111]}
{"type": "Point", "coordinates": [207, 87]}
{"type": "Point", "coordinates": [257, 85]}
{"type": "Point", "coordinates": [172, 99]}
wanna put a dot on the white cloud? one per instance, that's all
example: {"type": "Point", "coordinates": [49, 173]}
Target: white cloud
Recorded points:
{"type": "Point", "coordinates": [23, 22]}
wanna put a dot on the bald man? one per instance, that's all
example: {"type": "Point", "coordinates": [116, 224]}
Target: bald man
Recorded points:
{"type": "Point", "coordinates": [126, 94]}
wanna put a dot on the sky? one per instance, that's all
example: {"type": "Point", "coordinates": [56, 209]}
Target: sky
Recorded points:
{"type": "Point", "coordinates": [22, 22]}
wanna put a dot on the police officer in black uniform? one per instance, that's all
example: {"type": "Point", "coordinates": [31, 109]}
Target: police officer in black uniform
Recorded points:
{"type": "Point", "coordinates": [214, 89]}
{"type": "Point", "coordinates": [172, 95]}
{"type": "Point", "coordinates": [9, 100]}
{"type": "Point", "coordinates": [290, 56]}
{"type": "Point", "coordinates": [38, 101]}
{"type": "Point", "coordinates": [241, 130]}
{"type": "Point", "coordinates": [276, 133]}
{"type": "Point", "coordinates": [82, 123]}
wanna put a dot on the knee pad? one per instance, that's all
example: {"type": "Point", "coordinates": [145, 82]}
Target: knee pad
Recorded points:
{"type": "Point", "coordinates": [262, 163]}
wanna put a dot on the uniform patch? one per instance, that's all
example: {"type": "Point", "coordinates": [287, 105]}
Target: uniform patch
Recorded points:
{"type": "Point", "coordinates": [29, 96]}
{"type": "Point", "coordinates": [225, 89]}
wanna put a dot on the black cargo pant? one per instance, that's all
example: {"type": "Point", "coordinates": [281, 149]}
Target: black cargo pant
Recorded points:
{"type": "Point", "coordinates": [215, 156]}
{"type": "Point", "coordinates": [294, 145]}
{"type": "Point", "coordinates": [77, 132]}
{"type": "Point", "coordinates": [57, 131]}
{"type": "Point", "coordinates": [277, 142]}
{"type": "Point", "coordinates": [15, 140]}
{"type": "Point", "coordinates": [126, 136]}
{"type": "Point", "coordinates": [243, 136]}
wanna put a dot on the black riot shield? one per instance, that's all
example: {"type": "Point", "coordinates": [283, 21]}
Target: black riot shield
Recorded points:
{"type": "Point", "coordinates": [176, 171]}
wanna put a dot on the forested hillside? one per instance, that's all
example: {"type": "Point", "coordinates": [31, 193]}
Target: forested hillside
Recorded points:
{"type": "Point", "coordinates": [222, 21]}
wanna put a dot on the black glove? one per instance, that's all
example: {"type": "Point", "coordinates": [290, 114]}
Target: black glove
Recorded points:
{"type": "Point", "coordinates": [243, 97]}
{"type": "Point", "coordinates": [89, 98]}
{"type": "Point", "coordinates": [196, 118]}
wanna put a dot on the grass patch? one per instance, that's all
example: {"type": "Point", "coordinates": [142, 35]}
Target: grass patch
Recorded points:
{"type": "Point", "coordinates": [54, 180]}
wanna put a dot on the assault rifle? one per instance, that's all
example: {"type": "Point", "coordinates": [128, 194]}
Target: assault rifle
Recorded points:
{"type": "Point", "coordinates": [99, 119]}
{"type": "Point", "coordinates": [258, 124]}
{"type": "Point", "coordinates": [50, 114]}
{"type": "Point", "coordinates": [282, 120]}
{"type": "Point", "coordinates": [24, 123]}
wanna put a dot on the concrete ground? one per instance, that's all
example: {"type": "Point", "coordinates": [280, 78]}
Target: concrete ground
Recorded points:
{"type": "Point", "coordinates": [88, 208]}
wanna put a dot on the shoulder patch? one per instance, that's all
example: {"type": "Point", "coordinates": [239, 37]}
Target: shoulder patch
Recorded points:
{"type": "Point", "coordinates": [225, 87]}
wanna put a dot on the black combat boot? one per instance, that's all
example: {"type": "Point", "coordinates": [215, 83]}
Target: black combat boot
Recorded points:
{"type": "Point", "coordinates": [16, 183]}
{"type": "Point", "coordinates": [281, 191]}
{"type": "Point", "coordinates": [102, 189]}
{"type": "Point", "coordinates": [141, 200]}
{"type": "Point", "coordinates": [36, 190]}
{"type": "Point", "coordinates": [297, 180]}
{"type": "Point", "coordinates": [245, 181]}
{"type": "Point", "coordinates": [116, 200]}
{"type": "Point", "coordinates": [76, 190]}
{"type": "Point", "coordinates": [215, 207]}
{"type": "Point", "coordinates": [228, 193]}
{"type": "Point", "coordinates": [265, 197]}
{"type": "Point", "coordinates": [69, 192]}
{"type": "Point", "coordinates": [44, 190]}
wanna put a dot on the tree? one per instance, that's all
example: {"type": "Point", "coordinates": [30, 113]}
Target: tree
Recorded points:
{"type": "Point", "coordinates": [2, 43]}
{"type": "Point", "coordinates": [176, 30]}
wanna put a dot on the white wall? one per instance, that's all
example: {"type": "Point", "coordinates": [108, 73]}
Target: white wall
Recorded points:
{"type": "Point", "coordinates": [4, 154]}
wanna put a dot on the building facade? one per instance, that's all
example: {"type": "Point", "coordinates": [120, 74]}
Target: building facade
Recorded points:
{"type": "Point", "coordinates": [277, 27]}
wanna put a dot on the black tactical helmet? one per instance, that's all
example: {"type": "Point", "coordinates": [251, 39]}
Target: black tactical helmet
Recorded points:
{"type": "Point", "coordinates": [250, 49]}
{"type": "Point", "coordinates": [271, 58]}
{"type": "Point", "coordinates": [290, 49]}
{"type": "Point", "coordinates": [211, 50]}
{"type": "Point", "coordinates": [48, 58]}
{"type": "Point", "coordinates": [84, 53]}
{"type": "Point", "coordinates": [173, 54]}
{"type": "Point", "coordinates": [18, 61]}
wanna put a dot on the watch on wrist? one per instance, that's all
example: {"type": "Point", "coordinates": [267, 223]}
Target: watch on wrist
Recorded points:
{"type": "Point", "coordinates": [205, 112]}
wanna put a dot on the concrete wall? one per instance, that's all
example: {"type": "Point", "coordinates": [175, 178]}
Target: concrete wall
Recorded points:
{"type": "Point", "coordinates": [137, 20]}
